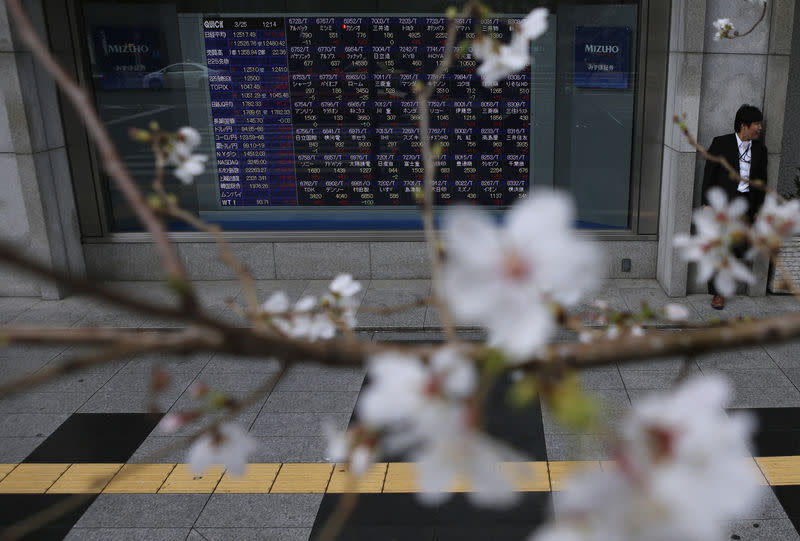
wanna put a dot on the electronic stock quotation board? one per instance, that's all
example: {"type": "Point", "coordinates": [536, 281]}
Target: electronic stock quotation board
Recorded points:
{"type": "Point", "coordinates": [321, 111]}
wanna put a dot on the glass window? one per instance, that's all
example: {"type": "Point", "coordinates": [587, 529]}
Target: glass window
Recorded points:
{"type": "Point", "coordinates": [310, 122]}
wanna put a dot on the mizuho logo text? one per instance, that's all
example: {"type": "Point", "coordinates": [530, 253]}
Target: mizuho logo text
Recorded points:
{"type": "Point", "coordinates": [127, 48]}
{"type": "Point", "coordinates": [599, 49]}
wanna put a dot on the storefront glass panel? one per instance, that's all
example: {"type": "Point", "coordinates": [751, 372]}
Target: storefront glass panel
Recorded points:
{"type": "Point", "coordinates": [310, 122]}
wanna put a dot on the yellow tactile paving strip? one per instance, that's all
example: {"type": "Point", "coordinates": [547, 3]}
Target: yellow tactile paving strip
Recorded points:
{"type": "Point", "coordinates": [305, 478]}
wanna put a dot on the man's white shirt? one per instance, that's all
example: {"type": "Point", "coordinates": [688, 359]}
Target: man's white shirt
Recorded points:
{"type": "Point", "coordinates": [744, 162]}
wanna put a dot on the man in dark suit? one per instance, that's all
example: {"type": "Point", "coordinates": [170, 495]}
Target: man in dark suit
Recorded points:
{"type": "Point", "coordinates": [748, 156]}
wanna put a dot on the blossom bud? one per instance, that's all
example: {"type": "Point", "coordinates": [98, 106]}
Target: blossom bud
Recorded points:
{"type": "Point", "coordinates": [140, 136]}
{"type": "Point", "coordinates": [173, 422]}
{"type": "Point", "coordinates": [198, 389]}
{"type": "Point", "coordinates": [159, 380]}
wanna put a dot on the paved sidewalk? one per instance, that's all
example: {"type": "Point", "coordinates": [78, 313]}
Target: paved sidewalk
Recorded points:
{"type": "Point", "coordinates": [101, 415]}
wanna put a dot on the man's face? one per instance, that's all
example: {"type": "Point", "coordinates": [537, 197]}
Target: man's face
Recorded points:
{"type": "Point", "coordinates": [753, 131]}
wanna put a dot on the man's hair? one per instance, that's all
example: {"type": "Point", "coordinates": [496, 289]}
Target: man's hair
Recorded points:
{"type": "Point", "coordinates": [747, 114]}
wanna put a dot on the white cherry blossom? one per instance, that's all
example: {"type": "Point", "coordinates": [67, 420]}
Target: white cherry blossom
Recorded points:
{"type": "Point", "coordinates": [718, 228]}
{"type": "Point", "coordinates": [498, 60]}
{"type": "Point", "coordinates": [230, 447]}
{"type": "Point", "coordinates": [191, 167]}
{"type": "Point", "coordinates": [683, 472]}
{"type": "Point", "coordinates": [452, 450]}
{"type": "Point", "coordinates": [278, 303]}
{"type": "Point", "coordinates": [505, 278]}
{"type": "Point", "coordinates": [775, 222]}
{"type": "Point", "coordinates": [724, 28]}
{"type": "Point", "coordinates": [187, 165]}
{"type": "Point", "coordinates": [344, 285]}
{"type": "Point", "coordinates": [425, 408]}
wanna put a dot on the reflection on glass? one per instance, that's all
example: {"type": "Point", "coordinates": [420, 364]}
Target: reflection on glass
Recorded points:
{"type": "Point", "coordinates": [310, 121]}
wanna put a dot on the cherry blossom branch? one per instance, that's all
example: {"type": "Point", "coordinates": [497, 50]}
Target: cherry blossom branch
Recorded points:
{"type": "Point", "coordinates": [135, 343]}
{"type": "Point", "coordinates": [763, 13]}
{"type": "Point", "coordinates": [424, 92]}
{"type": "Point", "coordinates": [170, 206]}
{"type": "Point", "coordinates": [112, 163]}
{"type": "Point", "coordinates": [341, 513]}
{"type": "Point", "coordinates": [69, 335]}
{"type": "Point", "coordinates": [49, 514]}
{"type": "Point", "coordinates": [760, 184]}
{"type": "Point", "coordinates": [670, 344]}
{"type": "Point", "coordinates": [387, 311]}
{"type": "Point", "coordinates": [13, 257]}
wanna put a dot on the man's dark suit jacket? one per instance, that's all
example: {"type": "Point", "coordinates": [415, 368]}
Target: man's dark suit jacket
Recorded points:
{"type": "Point", "coordinates": [716, 175]}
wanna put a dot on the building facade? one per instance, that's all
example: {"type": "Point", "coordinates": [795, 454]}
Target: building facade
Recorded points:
{"type": "Point", "coordinates": [308, 119]}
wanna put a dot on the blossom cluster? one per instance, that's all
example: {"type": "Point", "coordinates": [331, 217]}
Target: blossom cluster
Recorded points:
{"type": "Point", "coordinates": [720, 229]}
{"type": "Point", "coordinates": [682, 470]}
{"type": "Point", "coordinates": [314, 318]}
{"type": "Point", "coordinates": [181, 154]}
{"type": "Point", "coordinates": [511, 279]}
{"type": "Point", "coordinates": [498, 60]}
{"type": "Point", "coordinates": [427, 409]}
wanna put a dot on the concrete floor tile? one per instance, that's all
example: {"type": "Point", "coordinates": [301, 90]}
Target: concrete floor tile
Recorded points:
{"type": "Point", "coordinates": [16, 449]}
{"type": "Point", "coordinates": [191, 363]}
{"type": "Point", "coordinates": [137, 381]}
{"type": "Point", "coordinates": [651, 364]}
{"type": "Point", "coordinates": [607, 293]}
{"type": "Point", "coordinates": [750, 397]}
{"type": "Point", "coordinates": [222, 362]}
{"type": "Point", "coordinates": [786, 355]}
{"type": "Point", "coordinates": [654, 379]}
{"type": "Point", "coordinates": [30, 425]}
{"type": "Point", "coordinates": [77, 383]}
{"type": "Point", "coordinates": [741, 359]}
{"type": "Point", "coordinates": [768, 506]}
{"type": "Point", "coordinates": [297, 424]}
{"type": "Point", "coordinates": [232, 381]}
{"type": "Point", "coordinates": [260, 510]}
{"type": "Point", "coordinates": [290, 449]}
{"type": "Point", "coordinates": [114, 401]}
{"type": "Point", "coordinates": [155, 445]}
{"type": "Point", "coordinates": [11, 307]}
{"type": "Point", "coordinates": [738, 306]}
{"type": "Point", "coordinates": [253, 534]}
{"type": "Point", "coordinates": [331, 379]}
{"type": "Point", "coordinates": [604, 377]}
{"type": "Point", "coordinates": [98, 314]}
{"type": "Point", "coordinates": [39, 402]}
{"type": "Point", "coordinates": [761, 379]}
{"type": "Point", "coordinates": [655, 299]}
{"type": "Point", "coordinates": [143, 511]}
{"type": "Point", "coordinates": [265, 288]}
{"type": "Point", "coordinates": [244, 419]}
{"type": "Point", "coordinates": [30, 354]}
{"type": "Point", "coordinates": [633, 283]}
{"type": "Point", "coordinates": [317, 401]}
{"type": "Point", "coordinates": [127, 534]}
{"type": "Point", "coordinates": [576, 447]}
{"type": "Point", "coordinates": [777, 304]}
{"type": "Point", "coordinates": [383, 294]}
{"type": "Point", "coordinates": [60, 313]}
{"type": "Point", "coordinates": [762, 530]}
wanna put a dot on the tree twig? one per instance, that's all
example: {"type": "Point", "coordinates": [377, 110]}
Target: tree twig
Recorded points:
{"type": "Point", "coordinates": [763, 12]}
{"type": "Point", "coordinates": [135, 344]}
{"type": "Point", "coordinates": [423, 93]}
